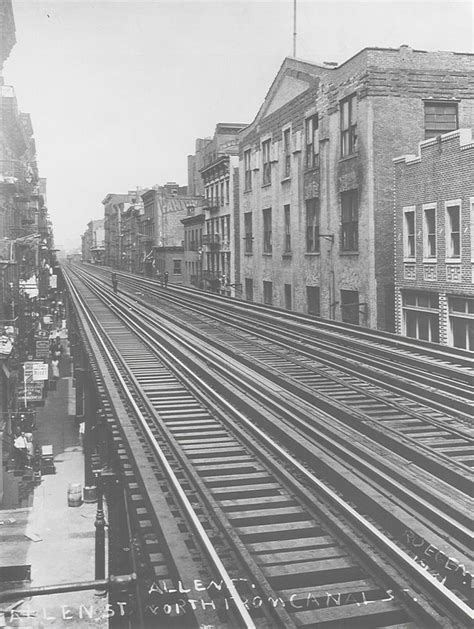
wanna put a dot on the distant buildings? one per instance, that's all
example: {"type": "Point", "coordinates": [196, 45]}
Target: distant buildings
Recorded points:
{"type": "Point", "coordinates": [93, 247]}
{"type": "Point", "coordinates": [434, 238]}
{"type": "Point", "coordinates": [115, 205]}
{"type": "Point", "coordinates": [162, 232]}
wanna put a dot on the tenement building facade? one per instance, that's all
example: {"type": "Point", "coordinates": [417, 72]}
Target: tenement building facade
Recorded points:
{"type": "Point", "coordinates": [434, 241]}
{"type": "Point", "coordinates": [316, 176]}
{"type": "Point", "coordinates": [219, 174]}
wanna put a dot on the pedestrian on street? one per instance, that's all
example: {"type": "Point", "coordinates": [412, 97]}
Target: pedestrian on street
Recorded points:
{"type": "Point", "coordinates": [115, 282]}
{"type": "Point", "coordinates": [21, 448]}
{"type": "Point", "coordinates": [165, 278]}
{"type": "Point", "coordinates": [55, 368]}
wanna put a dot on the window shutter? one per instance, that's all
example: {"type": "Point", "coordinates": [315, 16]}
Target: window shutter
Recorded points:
{"type": "Point", "coordinates": [255, 160]}
{"type": "Point", "coordinates": [297, 142]}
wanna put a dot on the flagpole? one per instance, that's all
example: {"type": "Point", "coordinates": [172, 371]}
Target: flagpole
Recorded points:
{"type": "Point", "coordinates": [294, 28]}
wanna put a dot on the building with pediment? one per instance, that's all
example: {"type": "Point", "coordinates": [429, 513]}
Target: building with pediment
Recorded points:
{"type": "Point", "coordinates": [316, 176]}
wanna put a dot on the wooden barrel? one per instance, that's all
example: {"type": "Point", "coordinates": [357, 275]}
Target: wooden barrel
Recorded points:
{"type": "Point", "coordinates": [74, 495]}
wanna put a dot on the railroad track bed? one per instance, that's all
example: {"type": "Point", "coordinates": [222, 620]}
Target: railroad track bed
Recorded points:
{"type": "Point", "coordinates": [415, 430]}
{"type": "Point", "coordinates": [443, 366]}
{"type": "Point", "coordinates": [286, 540]}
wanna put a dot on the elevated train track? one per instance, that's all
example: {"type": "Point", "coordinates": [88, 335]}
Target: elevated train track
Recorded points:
{"type": "Point", "coordinates": [261, 495]}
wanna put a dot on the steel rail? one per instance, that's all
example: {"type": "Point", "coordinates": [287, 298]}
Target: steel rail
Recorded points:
{"type": "Point", "coordinates": [228, 364]}
{"type": "Point", "coordinates": [444, 593]}
{"type": "Point", "coordinates": [373, 372]}
{"type": "Point", "coordinates": [449, 599]}
{"type": "Point", "coordinates": [242, 612]}
{"type": "Point", "coordinates": [337, 328]}
{"type": "Point", "coordinates": [392, 434]}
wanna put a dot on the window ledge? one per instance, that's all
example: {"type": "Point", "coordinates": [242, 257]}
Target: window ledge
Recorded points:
{"type": "Point", "coordinates": [430, 260]}
{"type": "Point", "coordinates": [349, 253]}
{"type": "Point", "coordinates": [248, 253]}
{"type": "Point", "coordinates": [409, 260]}
{"type": "Point", "coordinates": [266, 185]}
{"type": "Point", "coordinates": [453, 260]}
{"type": "Point", "coordinates": [247, 190]}
{"type": "Point", "coordinates": [286, 179]}
{"type": "Point", "coordinates": [348, 157]}
{"type": "Point", "coordinates": [311, 169]}
{"type": "Point", "coordinates": [312, 253]}
{"type": "Point", "coordinates": [267, 254]}
{"type": "Point", "coordinates": [287, 254]}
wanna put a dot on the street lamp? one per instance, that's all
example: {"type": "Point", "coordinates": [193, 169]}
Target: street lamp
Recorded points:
{"type": "Point", "coordinates": [102, 476]}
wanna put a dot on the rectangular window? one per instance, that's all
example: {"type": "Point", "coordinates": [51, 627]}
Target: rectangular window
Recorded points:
{"type": "Point", "coordinates": [287, 289]}
{"type": "Point", "coordinates": [350, 306]}
{"type": "Point", "coordinates": [312, 225]}
{"type": "Point", "coordinates": [409, 233]}
{"type": "Point", "coordinates": [349, 221]}
{"type": "Point", "coordinates": [248, 289]}
{"type": "Point", "coordinates": [453, 234]}
{"type": "Point", "coordinates": [266, 166]}
{"type": "Point", "coordinates": [268, 293]}
{"type": "Point", "coordinates": [429, 233]}
{"type": "Point", "coordinates": [461, 322]}
{"type": "Point", "coordinates": [287, 218]}
{"type": "Point", "coordinates": [286, 153]}
{"type": "Point", "coordinates": [313, 299]}
{"type": "Point", "coordinates": [222, 193]}
{"type": "Point", "coordinates": [247, 170]}
{"type": "Point", "coordinates": [227, 191]}
{"type": "Point", "coordinates": [176, 267]}
{"type": "Point", "coordinates": [267, 230]}
{"type": "Point", "coordinates": [440, 118]}
{"type": "Point", "coordinates": [348, 117]}
{"type": "Point", "coordinates": [312, 142]}
{"type": "Point", "coordinates": [420, 315]}
{"type": "Point", "coordinates": [248, 232]}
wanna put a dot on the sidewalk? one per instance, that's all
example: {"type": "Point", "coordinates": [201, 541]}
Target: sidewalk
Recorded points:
{"type": "Point", "coordinates": [56, 540]}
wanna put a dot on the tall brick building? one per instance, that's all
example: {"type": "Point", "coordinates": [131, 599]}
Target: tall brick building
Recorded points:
{"type": "Point", "coordinates": [434, 241]}
{"type": "Point", "coordinates": [115, 205]}
{"type": "Point", "coordinates": [219, 174]}
{"type": "Point", "coordinates": [316, 173]}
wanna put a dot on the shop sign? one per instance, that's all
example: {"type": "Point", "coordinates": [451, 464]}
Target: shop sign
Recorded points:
{"type": "Point", "coordinates": [31, 392]}
{"type": "Point", "coordinates": [42, 348]}
{"type": "Point", "coordinates": [40, 371]}
{"type": "Point", "coordinates": [53, 281]}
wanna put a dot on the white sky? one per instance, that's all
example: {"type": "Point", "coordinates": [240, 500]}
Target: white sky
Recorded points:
{"type": "Point", "coordinates": [118, 91]}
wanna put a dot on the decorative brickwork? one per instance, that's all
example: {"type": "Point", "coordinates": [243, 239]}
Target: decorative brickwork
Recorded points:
{"type": "Point", "coordinates": [438, 183]}
{"type": "Point", "coordinates": [388, 88]}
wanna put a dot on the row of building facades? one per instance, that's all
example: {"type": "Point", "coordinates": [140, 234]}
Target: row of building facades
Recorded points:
{"type": "Point", "coordinates": [27, 254]}
{"type": "Point", "coordinates": [350, 197]}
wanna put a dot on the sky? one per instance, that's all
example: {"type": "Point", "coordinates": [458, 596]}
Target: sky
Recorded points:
{"type": "Point", "coordinates": [118, 91]}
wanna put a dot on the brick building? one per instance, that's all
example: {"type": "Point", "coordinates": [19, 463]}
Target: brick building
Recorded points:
{"type": "Point", "coordinates": [193, 227]}
{"type": "Point", "coordinates": [195, 163]}
{"type": "Point", "coordinates": [114, 207]}
{"type": "Point", "coordinates": [161, 229]}
{"type": "Point", "coordinates": [316, 172]}
{"type": "Point", "coordinates": [434, 241]}
{"type": "Point", "coordinates": [219, 173]}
